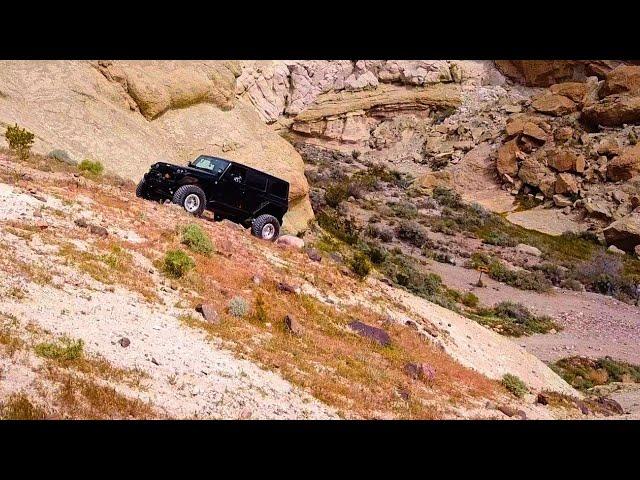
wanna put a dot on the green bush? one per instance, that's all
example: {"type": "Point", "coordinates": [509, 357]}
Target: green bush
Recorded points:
{"type": "Point", "coordinates": [514, 319]}
{"type": "Point", "coordinates": [411, 232]}
{"type": "Point", "coordinates": [238, 307]}
{"type": "Point", "coordinates": [336, 193]}
{"type": "Point", "coordinates": [515, 385]}
{"type": "Point", "coordinates": [20, 141]}
{"type": "Point", "coordinates": [584, 373]}
{"type": "Point", "coordinates": [66, 350]}
{"type": "Point", "coordinates": [360, 264]}
{"type": "Point", "coordinates": [196, 240]}
{"type": "Point", "coordinates": [342, 228]}
{"type": "Point", "coordinates": [447, 197]}
{"type": "Point", "coordinates": [176, 263]}
{"type": "Point", "coordinates": [470, 300]}
{"type": "Point", "coordinates": [500, 239]}
{"type": "Point", "coordinates": [260, 310]}
{"type": "Point", "coordinates": [93, 168]}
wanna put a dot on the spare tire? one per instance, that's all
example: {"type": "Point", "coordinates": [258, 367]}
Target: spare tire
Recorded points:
{"type": "Point", "coordinates": [191, 198]}
{"type": "Point", "coordinates": [266, 227]}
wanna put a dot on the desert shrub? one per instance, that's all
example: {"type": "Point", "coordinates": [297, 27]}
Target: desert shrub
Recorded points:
{"type": "Point", "coordinates": [500, 239]}
{"type": "Point", "coordinates": [64, 350]}
{"type": "Point", "coordinates": [425, 202]}
{"type": "Point", "coordinates": [360, 264]}
{"type": "Point", "coordinates": [19, 407]}
{"type": "Point", "coordinates": [62, 156]}
{"type": "Point", "coordinates": [447, 197]}
{"type": "Point", "coordinates": [556, 274]}
{"type": "Point", "coordinates": [521, 279]}
{"type": "Point", "coordinates": [355, 154]}
{"type": "Point", "coordinates": [342, 228]}
{"type": "Point", "coordinates": [196, 240]}
{"type": "Point", "coordinates": [376, 253]}
{"type": "Point", "coordinates": [411, 232]}
{"type": "Point", "coordinates": [516, 386]}
{"type": "Point", "coordinates": [238, 307]}
{"type": "Point", "coordinates": [572, 284]}
{"type": "Point", "coordinates": [469, 299]}
{"type": "Point", "coordinates": [514, 319]}
{"type": "Point", "coordinates": [20, 141]}
{"type": "Point", "coordinates": [403, 209]}
{"type": "Point", "coordinates": [176, 263]}
{"type": "Point", "coordinates": [92, 168]}
{"type": "Point", "coordinates": [584, 373]}
{"type": "Point", "coordinates": [260, 310]}
{"type": "Point", "coordinates": [604, 273]}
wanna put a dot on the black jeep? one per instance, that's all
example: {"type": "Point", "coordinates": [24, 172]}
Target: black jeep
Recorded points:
{"type": "Point", "coordinates": [230, 190]}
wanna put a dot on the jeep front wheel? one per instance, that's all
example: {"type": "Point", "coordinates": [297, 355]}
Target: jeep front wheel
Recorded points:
{"type": "Point", "coordinates": [192, 199]}
{"type": "Point", "coordinates": [266, 227]}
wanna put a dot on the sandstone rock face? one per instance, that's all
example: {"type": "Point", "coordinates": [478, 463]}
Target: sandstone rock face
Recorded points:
{"type": "Point", "coordinates": [282, 87]}
{"type": "Point", "coordinates": [625, 166]}
{"type": "Point", "coordinates": [543, 73]}
{"type": "Point", "coordinates": [624, 233]}
{"type": "Point", "coordinates": [129, 115]}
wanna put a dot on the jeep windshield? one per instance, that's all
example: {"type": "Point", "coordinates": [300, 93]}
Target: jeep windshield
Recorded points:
{"type": "Point", "coordinates": [211, 164]}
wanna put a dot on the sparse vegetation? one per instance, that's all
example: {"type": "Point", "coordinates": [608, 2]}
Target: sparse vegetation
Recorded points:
{"type": "Point", "coordinates": [514, 319]}
{"type": "Point", "coordinates": [515, 385]}
{"type": "Point", "coordinates": [65, 350]}
{"type": "Point", "coordinates": [196, 240]}
{"type": "Point", "coordinates": [19, 407]}
{"type": "Point", "coordinates": [360, 264]}
{"type": "Point", "coordinates": [584, 373]}
{"type": "Point", "coordinates": [20, 141]}
{"type": "Point", "coordinates": [238, 307]}
{"type": "Point", "coordinates": [92, 168]}
{"type": "Point", "coordinates": [177, 263]}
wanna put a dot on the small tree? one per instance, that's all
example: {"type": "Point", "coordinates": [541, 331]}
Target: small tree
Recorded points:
{"type": "Point", "coordinates": [20, 141]}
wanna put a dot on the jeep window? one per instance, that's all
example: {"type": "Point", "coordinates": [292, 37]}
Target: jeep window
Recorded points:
{"type": "Point", "coordinates": [279, 188]}
{"type": "Point", "coordinates": [236, 174]}
{"type": "Point", "coordinates": [256, 181]}
{"type": "Point", "coordinates": [214, 165]}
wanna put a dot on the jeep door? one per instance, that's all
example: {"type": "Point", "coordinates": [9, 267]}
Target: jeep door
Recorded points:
{"type": "Point", "coordinates": [230, 194]}
{"type": "Point", "coordinates": [256, 191]}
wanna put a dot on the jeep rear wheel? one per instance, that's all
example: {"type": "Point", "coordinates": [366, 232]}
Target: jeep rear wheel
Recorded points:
{"type": "Point", "coordinates": [266, 227]}
{"type": "Point", "coordinates": [191, 198]}
{"type": "Point", "coordinates": [141, 190]}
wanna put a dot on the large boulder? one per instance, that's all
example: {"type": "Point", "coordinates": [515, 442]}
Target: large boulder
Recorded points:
{"type": "Point", "coordinates": [128, 115]}
{"type": "Point", "coordinates": [613, 110]}
{"type": "Point", "coordinates": [563, 160]}
{"type": "Point", "coordinates": [573, 90]}
{"type": "Point", "coordinates": [626, 165]}
{"type": "Point", "coordinates": [507, 162]}
{"type": "Point", "coordinates": [622, 79]}
{"type": "Point", "coordinates": [624, 233]}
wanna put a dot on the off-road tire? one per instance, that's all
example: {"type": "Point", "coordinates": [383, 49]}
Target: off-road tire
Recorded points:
{"type": "Point", "coordinates": [141, 190]}
{"type": "Point", "coordinates": [185, 192]}
{"type": "Point", "coordinates": [266, 227]}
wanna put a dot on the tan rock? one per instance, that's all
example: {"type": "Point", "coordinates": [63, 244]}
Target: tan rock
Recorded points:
{"type": "Point", "coordinates": [608, 146]}
{"type": "Point", "coordinates": [622, 79]}
{"type": "Point", "coordinates": [556, 105]}
{"type": "Point", "coordinates": [535, 173]}
{"type": "Point", "coordinates": [507, 163]}
{"type": "Point", "coordinates": [625, 166]}
{"type": "Point", "coordinates": [563, 134]}
{"type": "Point", "coordinates": [566, 184]}
{"type": "Point", "coordinates": [562, 201]}
{"type": "Point", "coordinates": [613, 111]}
{"type": "Point", "coordinates": [624, 233]}
{"type": "Point", "coordinates": [573, 90]}
{"type": "Point", "coordinates": [532, 130]}
{"type": "Point", "coordinates": [384, 97]}
{"type": "Point", "coordinates": [563, 160]}
{"type": "Point", "coordinates": [543, 73]}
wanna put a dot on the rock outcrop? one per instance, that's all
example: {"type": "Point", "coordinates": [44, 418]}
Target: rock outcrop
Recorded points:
{"type": "Point", "coordinates": [543, 73]}
{"type": "Point", "coordinates": [129, 115]}
{"type": "Point", "coordinates": [624, 233]}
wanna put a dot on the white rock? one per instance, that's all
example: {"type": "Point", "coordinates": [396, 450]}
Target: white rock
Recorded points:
{"type": "Point", "coordinates": [528, 249]}
{"type": "Point", "coordinates": [614, 249]}
{"type": "Point", "coordinates": [290, 241]}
